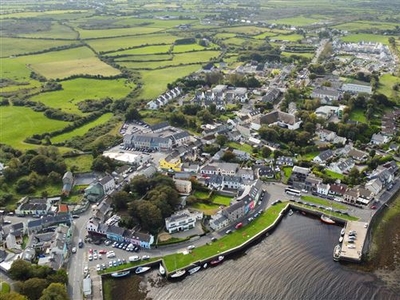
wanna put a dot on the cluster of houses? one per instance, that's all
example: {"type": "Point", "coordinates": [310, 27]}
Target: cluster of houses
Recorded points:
{"type": "Point", "coordinates": [220, 96]}
{"type": "Point", "coordinates": [164, 99]}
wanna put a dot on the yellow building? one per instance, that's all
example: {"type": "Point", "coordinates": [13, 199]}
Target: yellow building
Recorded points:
{"type": "Point", "coordinates": [171, 163]}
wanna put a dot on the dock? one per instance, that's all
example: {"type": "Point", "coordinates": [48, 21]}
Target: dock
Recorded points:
{"type": "Point", "coordinates": [353, 251]}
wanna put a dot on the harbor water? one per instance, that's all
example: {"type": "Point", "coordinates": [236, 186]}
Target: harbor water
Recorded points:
{"type": "Point", "coordinates": [294, 262]}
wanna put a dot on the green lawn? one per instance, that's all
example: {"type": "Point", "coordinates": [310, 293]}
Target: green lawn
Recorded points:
{"type": "Point", "coordinates": [287, 171]}
{"type": "Point", "coordinates": [309, 156]}
{"type": "Point", "coordinates": [334, 175]}
{"type": "Point", "coordinates": [245, 147]}
{"type": "Point", "coordinates": [82, 163]}
{"type": "Point", "coordinates": [221, 200]}
{"type": "Point", "coordinates": [201, 195]}
{"type": "Point", "coordinates": [326, 203]}
{"type": "Point", "coordinates": [296, 21]}
{"type": "Point", "coordinates": [290, 37]}
{"type": "Point", "coordinates": [4, 288]}
{"type": "Point", "coordinates": [101, 33]}
{"type": "Point", "coordinates": [207, 209]}
{"type": "Point", "coordinates": [358, 115]}
{"type": "Point", "coordinates": [18, 123]}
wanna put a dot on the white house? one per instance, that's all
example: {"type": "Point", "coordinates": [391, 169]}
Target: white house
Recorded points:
{"type": "Point", "coordinates": [379, 139]}
{"type": "Point", "coordinates": [323, 189]}
{"type": "Point", "coordinates": [374, 186]}
{"type": "Point", "coordinates": [356, 88]}
{"type": "Point", "coordinates": [108, 184]}
{"type": "Point", "coordinates": [182, 220]}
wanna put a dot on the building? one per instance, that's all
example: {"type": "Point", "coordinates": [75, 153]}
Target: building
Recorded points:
{"type": "Point", "coordinates": [281, 119]}
{"type": "Point", "coordinates": [232, 182]}
{"type": "Point", "coordinates": [323, 157]}
{"type": "Point", "coordinates": [148, 141]}
{"type": "Point", "coordinates": [183, 186]}
{"type": "Point", "coordinates": [108, 184]}
{"type": "Point", "coordinates": [325, 94]}
{"type": "Point", "coordinates": [182, 220]}
{"type": "Point", "coordinates": [94, 192]}
{"type": "Point", "coordinates": [35, 206]}
{"type": "Point", "coordinates": [171, 163]}
{"type": "Point", "coordinates": [356, 88]}
{"type": "Point", "coordinates": [68, 182]}
{"type": "Point", "coordinates": [218, 221]}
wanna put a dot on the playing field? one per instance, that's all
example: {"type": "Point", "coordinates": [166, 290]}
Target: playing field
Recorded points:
{"type": "Point", "coordinates": [61, 64]}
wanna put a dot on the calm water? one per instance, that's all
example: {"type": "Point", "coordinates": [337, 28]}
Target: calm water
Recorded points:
{"type": "Point", "coordinates": [294, 262]}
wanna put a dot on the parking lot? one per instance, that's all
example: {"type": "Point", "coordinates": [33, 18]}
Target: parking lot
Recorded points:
{"type": "Point", "coordinates": [99, 257]}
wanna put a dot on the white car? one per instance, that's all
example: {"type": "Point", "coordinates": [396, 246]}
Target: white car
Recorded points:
{"type": "Point", "coordinates": [98, 268]}
{"type": "Point", "coordinates": [100, 257]}
{"type": "Point", "coordinates": [95, 256]}
{"type": "Point", "coordinates": [110, 254]}
{"type": "Point", "coordinates": [191, 247]}
{"type": "Point", "coordinates": [90, 257]}
{"type": "Point", "coordinates": [110, 263]}
{"type": "Point", "coordinates": [73, 250]}
{"type": "Point", "coordinates": [86, 271]}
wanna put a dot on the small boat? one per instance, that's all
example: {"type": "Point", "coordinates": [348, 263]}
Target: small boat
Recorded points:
{"type": "Point", "coordinates": [341, 239]}
{"type": "Point", "coordinates": [141, 270]}
{"type": "Point", "coordinates": [161, 269]}
{"type": "Point", "coordinates": [217, 261]}
{"type": "Point", "coordinates": [178, 274]}
{"type": "Point", "coordinates": [120, 274]}
{"type": "Point", "coordinates": [336, 252]}
{"type": "Point", "coordinates": [327, 220]}
{"type": "Point", "coordinates": [194, 270]}
{"type": "Point", "coordinates": [290, 212]}
{"type": "Point", "coordinates": [303, 213]}
{"type": "Point", "coordinates": [205, 266]}
{"type": "Point", "coordinates": [342, 232]}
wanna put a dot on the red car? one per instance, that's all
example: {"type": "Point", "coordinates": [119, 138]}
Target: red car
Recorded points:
{"type": "Point", "coordinates": [373, 207]}
{"type": "Point", "coordinates": [91, 251]}
{"type": "Point", "coordinates": [238, 225]}
{"type": "Point", "coordinates": [102, 251]}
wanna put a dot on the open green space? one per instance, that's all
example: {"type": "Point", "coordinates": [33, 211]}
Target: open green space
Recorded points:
{"type": "Point", "coordinates": [79, 89]}
{"type": "Point", "coordinates": [140, 58]}
{"type": "Point", "coordinates": [221, 200]}
{"type": "Point", "coordinates": [80, 164]}
{"type": "Point", "coordinates": [223, 35]}
{"type": "Point", "coordinates": [288, 37]}
{"type": "Point", "coordinates": [249, 30]}
{"type": "Point", "coordinates": [329, 213]}
{"type": "Point", "coordinates": [201, 195]}
{"type": "Point", "coordinates": [297, 21]}
{"type": "Point", "coordinates": [81, 130]}
{"type": "Point", "coordinates": [264, 35]}
{"type": "Point", "coordinates": [334, 175]}
{"type": "Point", "coordinates": [365, 37]}
{"type": "Point", "coordinates": [64, 63]}
{"type": "Point", "coordinates": [121, 43]}
{"type": "Point", "coordinates": [15, 46]}
{"type": "Point", "coordinates": [18, 123]}
{"type": "Point", "coordinates": [155, 81]}
{"type": "Point", "coordinates": [57, 31]}
{"type": "Point", "coordinates": [4, 288]}
{"type": "Point", "coordinates": [386, 83]}
{"type": "Point", "coordinates": [100, 33]}
{"type": "Point", "coordinates": [308, 156]}
{"type": "Point", "coordinates": [303, 54]}
{"type": "Point", "coordinates": [358, 115]}
{"type": "Point", "coordinates": [363, 25]}
{"type": "Point", "coordinates": [156, 49]}
{"type": "Point", "coordinates": [326, 203]}
{"type": "Point", "coordinates": [243, 147]}
{"type": "Point", "coordinates": [207, 209]}
{"type": "Point", "coordinates": [287, 171]}
{"type": "Point", "coordinates": [190, 47]}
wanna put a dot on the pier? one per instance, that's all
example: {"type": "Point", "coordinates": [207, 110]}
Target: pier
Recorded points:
{"type": "Point", "coordinates": [353, 251]}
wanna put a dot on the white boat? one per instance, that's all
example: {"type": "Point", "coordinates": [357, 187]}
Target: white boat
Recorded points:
{"type": "Point", "coordinates": [327, 220]}
{"type": "Point", "coordinates": [194, 270]}
{"type": "Point", "coordinates": [218, 260]}
{"type": "Point", "coordinates": [120, 274]}
{"type": "Point", "coordinates": [178, 274]}
{"type": "Point", "coordinates": [161, 269]}
{"type": "Point", "coordinates": [141, 270]}
{"type": "Point", "coordinates": [290, 212]}
{"type": "Point", "coordinates": [342, 232]}
{"type": "Point", "coordinates": [205, 266]}
{"type": "Point", "coordinates": [341, 239]}
{"type": "Point", "coordinates": [336, 252]}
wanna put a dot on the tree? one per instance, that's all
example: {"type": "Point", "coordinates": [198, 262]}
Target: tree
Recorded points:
{"type": "Point", "coordinates": [12, 296]}
{"type": "Point", "coordinates": [140, 184]}
{"type": "Point", "coordinates": [132, 114]}
{"type": "Point", "coordinates": [266, 152]}
{"type": "Point", "coordinates": [221, 139]}
{"type": "Point", "coordinates": [228, 156]}
{"type": "Point", "coordinates": [120, 200]}
{"type": "Point", "coordinates": [20, 270]}
{"type": "Point", "coordinates": [149, 215]}
{"type": "Point", "coordinates": [33, 287]}
{"type": "Point", "coordinates": [38, 164]}
{"type": "Point", "coordinates": [55, 291]}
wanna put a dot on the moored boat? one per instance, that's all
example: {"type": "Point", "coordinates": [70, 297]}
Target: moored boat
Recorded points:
{"type": "Point", "coordinates": [341, 239]}
{"type": "Point", "coordinates": [205, 266]}
{"type": "Point", "coordinates": [141, 270]}
{"type": "Point", "coordinates": [290, 212]}
{"type": "Point", "coordinates": [161, 269]}
{"type": "Point", "coordinates": [327, 220]}
{"type": "Point", "coordinates": [336, 252]}
{"type": "Point", "coordinates": [342, 232]}
{"type": "Point", "coordinates": [178, 274]}
{"type": "Point", "coordinates": [194, 270]}
{"type": "Point", "coordinates": [217, 261]}
{"type": "Point", "coordinates": [120, 274]}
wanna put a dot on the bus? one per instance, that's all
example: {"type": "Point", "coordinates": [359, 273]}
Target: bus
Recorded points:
{"type": "Point", "coordinates": [292, 192]}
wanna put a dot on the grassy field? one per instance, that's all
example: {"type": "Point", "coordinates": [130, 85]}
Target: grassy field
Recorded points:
{"type": "Point", "coordinates": [17, 70]}
{"type": "Point", "coordinates": [287, 171]}
{"type": "Point", "coordinates": [83, 163]}
{"type": "Point", "coordinates": [143, 50]}
{"type": "Point", "coordinates": [4, 288]}
{"type": "Point", "coordinates": [18, 123]}
{"type": "Point", "coordinates": [149, 57]}
{"type": "Point", "coordinates": [303, 54]}
{"type": "Point", "coordinates": [290, 37]}
{"type": "Point", "coordinates": [155, 81]}
{"type": "Point", "coordinates": [56, 31]}
{"type": "Point", "coordinates": [355, 38]}
{"type": "Point", "coordinates": [358, 115]}
{"type": "Point", "coordinates": [111, 44]}
{"type": "Point", "coordinates": [64, 63]}
{"type": "Point", "coordinates": [224, 36]}
{"type": "Point", "coordinates": [81, 130]}
{"type": "Point", "coordinates": [245, 147]}
{"type": "Point", "coordinates": [77, 90]}
{"type": "Point", "coordinates": [221, 200]}
{"type": "Point", "coordinates": [362, 25]}
{"type": "Point", "coordinates": [297, 21]}
{"type": "Point", "coordinates": [207, 209]}
{"type": "Point", "coordinates": [201, 195]}
{"type": "Point", "coordinates": [249, 30]}
{"type": "Point", "coordinates": [334, 175]}
{"type": "Point", "coordinates": [386, 83]}
{"type": "Point", "coordinates": [178, 59]}
{"type": "Point", "coordinates": [93, 34]}
{"type": "Point", "coordinates": [308, 156]}
{"type": "Point", "coordinates": [326, 203]}
{"type": "Point", "coordinates": [190, 47]}
{"type": "Point", "coordinates": [14, 46]}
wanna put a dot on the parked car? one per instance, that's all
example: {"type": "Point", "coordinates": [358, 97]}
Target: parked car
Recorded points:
{"type": "Point", "coordinates": [191, 247]}
{"type": "Point", "coordinates": [95, 256]}
{"type": "Point", "coordinates": [90, 257]}
{"type": "Point", "coordinates": [90, 251]}
{"type": "Point", "coordinates": [110, 255]}
{"type": "Point", "coordinates": [73, 250]}
{"type": "Point", "coordinates": [98, 268]}
{"type": "Point", "coordinates": [110, 263]}
{"type": "Point", "coordinates": [228, 231]}
{"type": "Point", "coordinates": [145, 257]}
{"type": "Point", "coordinates": [102, 251]}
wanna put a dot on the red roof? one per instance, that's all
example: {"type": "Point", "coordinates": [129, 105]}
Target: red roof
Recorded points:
{"type": "Point", "coordinates": [63, 208]}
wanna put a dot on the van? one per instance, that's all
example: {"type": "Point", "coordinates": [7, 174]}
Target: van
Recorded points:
{"type": "Point", "coordinates": [134, 258]}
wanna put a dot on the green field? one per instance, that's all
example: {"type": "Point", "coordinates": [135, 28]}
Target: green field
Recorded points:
{"type": "Point", "coordinates": [326, 203]}
{"type": "Point", "coordinates": [178, 59]}
{"type": "Point", "coordinates": [112, 44]}
{"type": "Point", "coordinates": [4, 288]}
{"type": "Point", "coordinates": [57, 31]}
{"type": "Point", "coordinates": [94, 34]}
{"type": "Point", "coordinates": [334, 175]}
{"type": "Point", "coordinates": [362, 25]}
{"type": "Point", "coordinates": [81, 130]}
{"type": "Point", "coordinates": [358, 115]}
{"type": "Point", "coordinates": [18, 123]}
{"type": "Point", "coordinates": [76, 90]}
{"type": "Point", "coordinates": [386, 83]}
{"type": "Point", "coordinates": [201, 195]}
{"type": "Point", "coordinates": [289, 37]}
{"type": "Point", "coordinates": [150, 57]}
{"type": "Point", "coordinates": [83, 163]}
{"type": "Point", "coordinates": [186, 48]}
{"type": "Point", "coordinates": [15, 46]}
{"type": "Point", "coordinates": [297, 21]}
{"type": "Point", "coordinates": [249, 30]}
{"type": "Point", "coordinates": [155, 81]}
{"type": "Point", "coordinates": [364, 37]}
{"type": "Point", "coordinates": [207, 209]}
{"type": "Point", "coordinates": [245, 147]}
{"type": "Point", "coordinates": [64, 63]}
{"type": "Point", "coordinates": [143, 50]}
{"type": "Point", "coordinates": [221, 200]}
{"type": "Point", "coordinates": [303, 54]}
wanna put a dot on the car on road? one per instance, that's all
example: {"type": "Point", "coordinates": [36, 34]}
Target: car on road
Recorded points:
{"type": "Point", "coordinates": [6, 222]}
{"type": "Point", "coordinates": [107, 242]}
{"type": "Point", "coordinates": [100, 256]}
{"type": "Point", "coordinates": [145, 257]}
{"type": "Point", "coordinates": [73, 250]}
{"type": "Point", "coordinates": [75, 216]}
{"type": "Point", "coordinates": [373, 207]}
{"type": "Point", "coordinates": [102, 251]}
{"type": "Point", "coordinates": [110, 263]}
{"type": "Point", "coordinates": [191, 247]}
{"type": "Point", "coordinates": [85, 271]}
{"type": "Point", "coordinates": [213, 239]}
{"type": "Point", "coordinates": [110, 255]}
{"type": "Point", "coordinates": [80, 243]}
{"type": "Point", "coordinates": [228, 231]}
{"type": "Point", "coordinates": [239, 225]}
